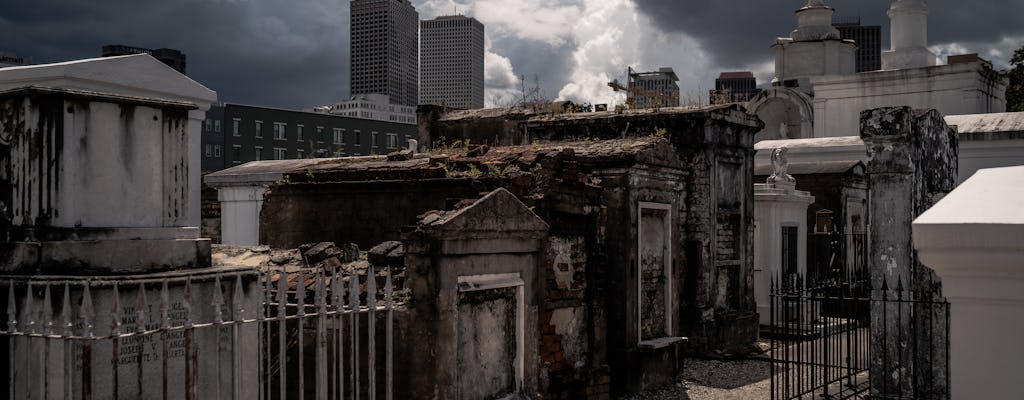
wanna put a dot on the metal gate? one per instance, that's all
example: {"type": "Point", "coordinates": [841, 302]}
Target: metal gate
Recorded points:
{"type": "Point", "coordinates": [852, 340]}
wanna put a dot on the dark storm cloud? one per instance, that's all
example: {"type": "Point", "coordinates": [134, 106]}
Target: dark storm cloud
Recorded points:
{"type": "Point", "coordinates": [739, 33]}
{"type": "Point", "coordinates": [273, 52]}
{"type": "Point", "coordinates": [538, 63]}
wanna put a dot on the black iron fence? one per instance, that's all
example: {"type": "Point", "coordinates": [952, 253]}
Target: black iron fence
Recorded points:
{"type": "Point", "coordinates": [849, 339]}
{"type": "Point", "coordinates": [835, 257]}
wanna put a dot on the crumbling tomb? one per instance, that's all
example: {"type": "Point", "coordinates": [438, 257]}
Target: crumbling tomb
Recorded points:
{"type": "Point", "coordinates": [648, 247]}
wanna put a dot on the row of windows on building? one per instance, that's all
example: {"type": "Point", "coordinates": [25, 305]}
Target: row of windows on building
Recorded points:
{"type": "Point", "coordinates": [212, 125]}
{"type": "Point", "coordinates": [281, 153]}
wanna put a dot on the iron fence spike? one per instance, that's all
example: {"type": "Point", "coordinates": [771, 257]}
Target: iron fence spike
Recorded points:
{"type": "Point", "coordinates": [140, 312]}
{"type": "Point", "coordinates": [237, 299]}
{"type": "Point", "coordinates": [218, 300]}
{"type": "Point", "coordinates": [165, 304]}
{"type": "Point", "coordinates": [86, 312]}
{"type": "Point", "coordinates": [282, 293]}
{"type": "Point", "coordinates": [371, 287]}
{"type": "Point", "coordinates": [47, 317]}
{"type": "Point", "coordinates": [264, 276]}
{"type": "Point", "coordinates": [321, 291]}
{"type": "Point", "coordinates": [353, 291]}
{"type": "Point", "coordinates": [300, 294]}
{"type": "Point", "coordinates": [29, 310]}
{"type": "Point", "coordinates": [12, 309]}
{"type": "Point", "coordinates": [389, 289]}
{"type": "Point", "coordinates": [65, 310]}
{"type": "Point", "coordinates": [336, 288]}
{"type": "Point", "coordinates": [188, 302]}
{"type": "Point", "coordinates": [115, 313]}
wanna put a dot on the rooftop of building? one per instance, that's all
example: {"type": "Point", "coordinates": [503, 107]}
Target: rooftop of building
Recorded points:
{"type": "Point", "coordinates": [736, 75]}
{"type": "Point", "coordinates": [989, 126]}
{"type": "Point", "coordinates": [449, 17]}
{"type": "Point", "coordinates": [448, 162]}
{"type": "Point", "coordinates": [541, 114]}
{"type": "Point", "coordinates": [663, 71]}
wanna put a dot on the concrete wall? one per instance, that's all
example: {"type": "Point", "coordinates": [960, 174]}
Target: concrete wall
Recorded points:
{"type": "Point", "coordinates": [108, 175]}
{"type": "Point", "coordinates": [969, 88]}
{"type": "Point", "coordinates": [365, 213]}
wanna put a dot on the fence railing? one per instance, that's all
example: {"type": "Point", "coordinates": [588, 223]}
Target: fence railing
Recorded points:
{"type": "Point", "coordinates": [850, 339]}
{"type": "Point", "coordinates": [267, 334]}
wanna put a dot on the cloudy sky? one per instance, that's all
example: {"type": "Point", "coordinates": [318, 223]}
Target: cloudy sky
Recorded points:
{"type": "Point", "coordinates": [294, 53]}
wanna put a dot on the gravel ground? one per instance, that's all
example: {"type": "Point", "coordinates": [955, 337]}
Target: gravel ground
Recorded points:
{"type": "Point", "coordinates": [716, 380]}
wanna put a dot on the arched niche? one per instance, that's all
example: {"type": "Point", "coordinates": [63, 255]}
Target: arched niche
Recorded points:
{"type": "Point", "coordinates": [787, 114]}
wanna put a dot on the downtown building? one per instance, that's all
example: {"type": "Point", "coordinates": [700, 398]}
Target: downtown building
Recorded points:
{"type": "Point", "coordinates": [734, 87]}
{"type": "Point", "coordinates": [385, 50]}
{"type": "Point", "coordinates": [653, 89]}
{"type": "Point", "coordinates": [868, 39]}
{"type": "Point", "coordinates": [452, 62]}
{"type": "Point", "coordinates": [173, 58]}
{"type": "Point", "coordinates": [13, 60]}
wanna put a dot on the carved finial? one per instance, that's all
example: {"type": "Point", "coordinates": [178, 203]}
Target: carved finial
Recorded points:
{"type": "Point", "coordinates": [779, 167]}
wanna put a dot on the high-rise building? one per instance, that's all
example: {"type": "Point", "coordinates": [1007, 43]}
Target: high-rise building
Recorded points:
{"type": "Point", "coordinates": [734, 87]}
{"type": "Point", "coordinates": [452, 62]}
{"type": "Point", "coordinates": [868, 39]}
{"type": "Point", "coordinates": [385, 50]}
{"type": "Point", "coordinates": [173, 58]}
{"type": "Point", "coordinates": [653, 89]}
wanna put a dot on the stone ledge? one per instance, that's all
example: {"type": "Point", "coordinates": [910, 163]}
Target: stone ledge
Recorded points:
{"type": "Point", "coordinates": [661, 342]}
{"type": "Point", "coordinates": [104, 256]}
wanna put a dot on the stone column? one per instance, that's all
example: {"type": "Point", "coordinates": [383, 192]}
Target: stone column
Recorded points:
{"type": "Point", "coordinates": [777, 206]}
{"type": "Point", "coordinates": [912, 162]}
{"type": "Point", "coordinates": [972, 238]}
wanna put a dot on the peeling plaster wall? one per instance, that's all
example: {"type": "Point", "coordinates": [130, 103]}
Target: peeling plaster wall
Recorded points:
{"type": "Point", "coordinates": [90, 180]}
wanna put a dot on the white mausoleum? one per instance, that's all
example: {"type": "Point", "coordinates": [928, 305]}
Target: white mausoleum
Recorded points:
{"type": "Point", "coordinates": [815, 92]}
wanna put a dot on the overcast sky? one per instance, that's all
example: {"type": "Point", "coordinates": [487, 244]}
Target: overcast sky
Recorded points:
{"type": "Point", "coordinates": [294, 53]}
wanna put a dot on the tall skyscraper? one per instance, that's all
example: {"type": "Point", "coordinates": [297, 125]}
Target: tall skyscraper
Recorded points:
{"type": "Point", "coordinates": [452, 62]}
{"type": "Point", "coordinates": [868, 39]}
{"type": "Point", "coordinates": [385, 50]}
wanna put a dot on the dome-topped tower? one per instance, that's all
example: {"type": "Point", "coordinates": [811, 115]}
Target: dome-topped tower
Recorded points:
{"type": "Point", "coordinates": [908, 20]}
{"type": "Point", "coordinates": [814, 48]}
{"type": "Point", "coordinates": [814, 22]}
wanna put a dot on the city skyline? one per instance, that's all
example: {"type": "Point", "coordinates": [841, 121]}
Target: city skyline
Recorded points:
{"type": "Point", "coordinates": [296, 55]}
